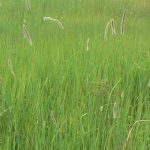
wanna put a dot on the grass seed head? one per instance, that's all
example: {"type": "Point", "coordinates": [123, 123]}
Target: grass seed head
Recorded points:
{"type": "Point", "coordinates": [110, 23]}
{"type": "Point", "coordinates": [11, 68]}
{"type": "Point", "coordinates": [28, 5]}
{"type": "Point", "coordinates": [115, 110]}
{"type": "Point", "coordinates": [106, 30]}
{"type": "Point", "coordinates": [123, 22]}
{"type": "Point", "coordinates": [54, 20]}
{"type": "Point", "coordinates": [113, 28]}
{"type": "Point", "coordinates": [26, 34]}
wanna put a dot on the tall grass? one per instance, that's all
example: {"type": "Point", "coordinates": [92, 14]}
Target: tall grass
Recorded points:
{"type": "Point", "coordinates": [71, 89]}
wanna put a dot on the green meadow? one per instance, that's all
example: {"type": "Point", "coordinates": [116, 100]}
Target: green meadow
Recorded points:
{"type": "Point", "coordinates": [77, 88]}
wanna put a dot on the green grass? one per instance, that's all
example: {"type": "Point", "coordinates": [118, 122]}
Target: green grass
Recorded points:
{"type": "Point", "coordinates": [55, 100]}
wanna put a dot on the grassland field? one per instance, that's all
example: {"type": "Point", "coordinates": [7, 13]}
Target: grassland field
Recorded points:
{"type": "Point", "coordinates": [72, 89]}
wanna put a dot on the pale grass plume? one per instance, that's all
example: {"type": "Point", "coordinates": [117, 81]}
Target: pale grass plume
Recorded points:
{"type": "Point", "coordinates": [106, 30]}
{"type": "Point", "coordinates": [84, 115]}
{"type": "Point", "coordinates": [130, 131]}
{"type": "Point", "coordinates": [113, 28]}
{"type": "Point", "coordinates": [26, 34]}
{"type": "Point", "coordinates": [87, 44]}
{"type": "Point", "coordinates": [28, 5]}
{"type": "Point", "coordinates": [115, 110]}
{"type": "Point", "coordinates": [123, 22]}
{"type": "Point", "coordinates": [11, 68]}
{"type": "Point", "coordinates": [110, 23]}
{"type": "Point", "coordinates": [54, 20]}
{"type": "Point", "coordinates": [122, 95]}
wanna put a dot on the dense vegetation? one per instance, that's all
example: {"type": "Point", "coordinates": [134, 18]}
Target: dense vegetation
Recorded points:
{"type": "Point", "coordinates": [72, 89]}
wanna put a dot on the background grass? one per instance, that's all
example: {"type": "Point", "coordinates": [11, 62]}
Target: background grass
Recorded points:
{"type": "Point", "coordinates": [55, 101]}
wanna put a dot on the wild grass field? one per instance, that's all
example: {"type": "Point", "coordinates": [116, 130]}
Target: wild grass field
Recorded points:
{"type": "Point", "coordinates": [77, 88]}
